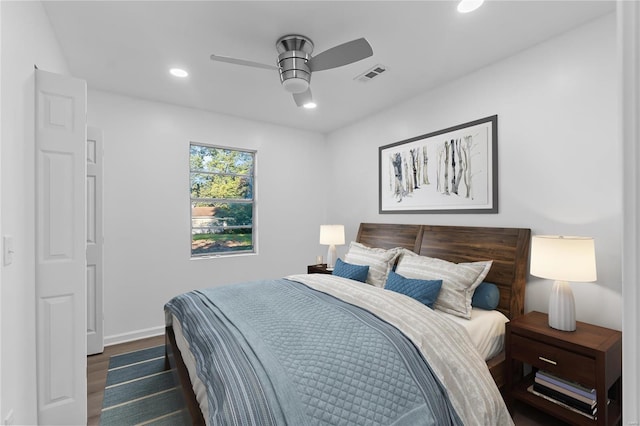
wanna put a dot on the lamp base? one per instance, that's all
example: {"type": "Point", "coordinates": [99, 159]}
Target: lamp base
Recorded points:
{"type": "Point", "coordinates": [562, 307]}
{"type": "Point", "coordinates": [331, 257]}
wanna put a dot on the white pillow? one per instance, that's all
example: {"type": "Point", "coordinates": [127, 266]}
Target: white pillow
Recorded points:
{"type": "Point", "coordinates": [459, 280]}
{"type": "Point", "coordinates": [405, 252]}
{"type": "Point", "coordinates": [380, 261]}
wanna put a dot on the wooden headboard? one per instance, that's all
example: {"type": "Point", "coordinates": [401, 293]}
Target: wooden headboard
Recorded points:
{"type": "Point", "coordinates": [507, 247]}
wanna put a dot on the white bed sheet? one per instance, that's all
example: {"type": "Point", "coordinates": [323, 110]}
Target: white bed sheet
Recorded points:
{"type": "Point", "coordinates": [486, 329]}
{"type": "Point", "coordinates": [199, 389]}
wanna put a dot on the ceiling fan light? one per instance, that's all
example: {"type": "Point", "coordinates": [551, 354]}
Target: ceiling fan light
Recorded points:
{"type": "Point", "coordinates": [310, 105]}
{"type": "Point", "coordinates": [466, 6]}
{"type": "Point", "coordinates": [295, 85]}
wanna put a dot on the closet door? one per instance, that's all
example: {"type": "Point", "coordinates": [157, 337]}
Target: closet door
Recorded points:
{"type": "Point", "coordinates": [95, 242]}
{"type": "Point", "coordinates": [60, 264]}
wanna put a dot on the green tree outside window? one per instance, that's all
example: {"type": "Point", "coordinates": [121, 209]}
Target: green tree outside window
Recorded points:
{"type": "Point", "coordinates": [222, 200]}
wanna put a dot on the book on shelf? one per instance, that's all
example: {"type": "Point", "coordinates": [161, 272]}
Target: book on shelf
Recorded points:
{"type": "Point", "coordinates": [560, 397]}
{"type": "Point", "coordinates": [589, 393]}
{"type": "Point", "coordinates": [562, 404]}
{"type": "Point", "coordinates": [570, 393]}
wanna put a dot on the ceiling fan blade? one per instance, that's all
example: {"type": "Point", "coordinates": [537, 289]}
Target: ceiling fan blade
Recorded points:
{"type": "Point", "coordinates": [244, 62]}
{"type": "Point", "coordinates": [303, 98]}
{"type": "Point", "coordinates": [343, 54]}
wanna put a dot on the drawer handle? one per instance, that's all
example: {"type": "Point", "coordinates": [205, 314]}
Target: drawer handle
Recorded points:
{"type": "Point", "coordinates": [541, 358]}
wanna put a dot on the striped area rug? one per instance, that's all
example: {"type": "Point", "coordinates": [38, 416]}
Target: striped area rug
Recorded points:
{"type": "Point", "coordinates": [139, 391]}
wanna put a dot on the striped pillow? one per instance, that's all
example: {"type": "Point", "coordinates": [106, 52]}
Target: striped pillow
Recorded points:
{"type": "Point", "coordinates": [380, 261]}
{"type": "Point", "coordinates": [459, 280]}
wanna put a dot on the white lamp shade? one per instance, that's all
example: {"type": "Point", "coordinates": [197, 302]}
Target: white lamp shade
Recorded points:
{"type": "Point", "coordinates": [332, 234]}
{"type": "Point", "coordinates": [563, 258]}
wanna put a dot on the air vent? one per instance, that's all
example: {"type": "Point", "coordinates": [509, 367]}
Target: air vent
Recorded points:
{"type": "Point", "coordinates": [371, 73]}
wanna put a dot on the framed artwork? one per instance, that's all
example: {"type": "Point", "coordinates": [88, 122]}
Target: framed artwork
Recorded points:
{"type": "Point", "coordinates": [454, 170]}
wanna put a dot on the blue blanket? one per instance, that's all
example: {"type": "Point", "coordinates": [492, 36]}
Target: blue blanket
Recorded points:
{"type": "Point", "coordinates": [277, 352]}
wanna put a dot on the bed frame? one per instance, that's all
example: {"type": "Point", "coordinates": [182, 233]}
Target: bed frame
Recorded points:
{"type": "Point", "coordinates": [507, 247]}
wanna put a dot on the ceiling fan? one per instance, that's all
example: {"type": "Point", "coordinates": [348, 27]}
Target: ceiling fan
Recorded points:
{"type": "Point", "coordinates": [295, 63]}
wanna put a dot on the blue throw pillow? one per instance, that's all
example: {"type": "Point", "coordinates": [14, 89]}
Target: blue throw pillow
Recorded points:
{"type": "Point", "coordinates": [424, 291]}
{"type": "Point", "coordinates": [486, 296]}
{"type": "Point", "coordinates": [351, 271]}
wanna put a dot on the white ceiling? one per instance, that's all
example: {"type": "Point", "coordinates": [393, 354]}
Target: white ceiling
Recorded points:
{"type": "Point", "coordinates": [128, 47]}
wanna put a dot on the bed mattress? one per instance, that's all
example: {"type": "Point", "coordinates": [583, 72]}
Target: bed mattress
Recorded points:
{"type": "Point", "coordinates": [485, 328]}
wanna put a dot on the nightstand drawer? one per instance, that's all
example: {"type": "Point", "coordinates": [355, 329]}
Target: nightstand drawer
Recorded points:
{"type": "Point", "coordinates": [556, 360]}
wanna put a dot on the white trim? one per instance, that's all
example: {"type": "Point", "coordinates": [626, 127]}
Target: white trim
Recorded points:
{"type": "Point", "coordinates": [628, 47]}
{"type": "Point", "coordinates": [133, 335]}
{"type": "Point", "coordinates": [1, 230]}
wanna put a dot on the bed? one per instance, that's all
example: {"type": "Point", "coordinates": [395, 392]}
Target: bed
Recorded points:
{"type": "Point", "coordinates": [506, 248]}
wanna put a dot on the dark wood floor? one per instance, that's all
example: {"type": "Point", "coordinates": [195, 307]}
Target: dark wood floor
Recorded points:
{"type": "Point", "coordinates": [97, 366]}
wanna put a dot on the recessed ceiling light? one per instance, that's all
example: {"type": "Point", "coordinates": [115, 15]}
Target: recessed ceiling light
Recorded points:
{"type": "Point", "coordinates": [310, 105]}
{"type": "Point", "coordinates": [177, 72]}
{"type": "Point", "coordinates": [466, 6]}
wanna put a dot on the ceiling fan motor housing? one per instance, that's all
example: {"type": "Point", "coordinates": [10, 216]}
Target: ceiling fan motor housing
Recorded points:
{"type": "Point", "coordinates": [294, 53]}
{"type": "Point", "coordinates": [295, 62]}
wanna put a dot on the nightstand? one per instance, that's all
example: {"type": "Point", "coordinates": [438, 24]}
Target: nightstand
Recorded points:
{"type": "Point", "coordinates": [318, 269]}
{"type": "Point", "coordinates": [590, 356]}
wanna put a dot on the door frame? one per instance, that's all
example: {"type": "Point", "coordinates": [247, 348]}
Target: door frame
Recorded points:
{"type": "Point", "coordinates": [95, 242]}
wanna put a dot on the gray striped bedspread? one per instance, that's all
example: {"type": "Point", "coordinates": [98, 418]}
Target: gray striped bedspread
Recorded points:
{"type": "Point", "coordinates": [318, 349]}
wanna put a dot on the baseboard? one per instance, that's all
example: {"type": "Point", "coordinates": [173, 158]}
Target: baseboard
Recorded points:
{"type": "Point", "coordinates": [134, 335]}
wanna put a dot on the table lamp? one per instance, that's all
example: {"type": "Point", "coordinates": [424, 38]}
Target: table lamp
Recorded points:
{"type": "Point", "coordinates": [563, 259]}
{"type": "Point", "coordinates": [331, 235]}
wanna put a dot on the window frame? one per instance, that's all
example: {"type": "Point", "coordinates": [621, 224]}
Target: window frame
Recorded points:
{"type": "Point", "coordinates": [251, 201]}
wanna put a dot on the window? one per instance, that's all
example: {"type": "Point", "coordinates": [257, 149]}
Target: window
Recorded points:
{"type": "Point", "coordinates": [222, 200]}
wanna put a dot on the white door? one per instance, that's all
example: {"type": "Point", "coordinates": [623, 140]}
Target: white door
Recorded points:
{"type": "Point", "coordinates": [95, 239]}
{"type": "Point", "coordinates": [61, 347]}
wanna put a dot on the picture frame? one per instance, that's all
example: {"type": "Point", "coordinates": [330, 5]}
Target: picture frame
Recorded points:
{"type": "Point", "coordinates": [454, 170]}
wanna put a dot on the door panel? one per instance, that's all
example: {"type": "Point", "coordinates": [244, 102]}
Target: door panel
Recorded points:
{"type": "Point", "coordinates": [60, 133]}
